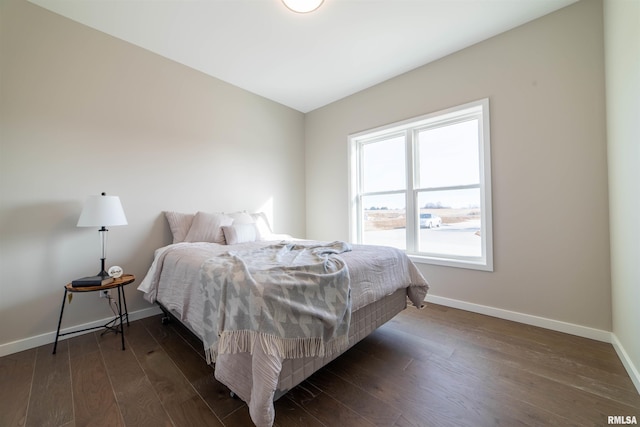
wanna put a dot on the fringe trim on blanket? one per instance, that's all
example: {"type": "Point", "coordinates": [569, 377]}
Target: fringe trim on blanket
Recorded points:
{"type": "Point", "coordinates": [285, 348]}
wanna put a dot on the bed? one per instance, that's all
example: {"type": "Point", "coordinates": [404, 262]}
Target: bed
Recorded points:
{"type": "Point", "coordinates": [270, 309]}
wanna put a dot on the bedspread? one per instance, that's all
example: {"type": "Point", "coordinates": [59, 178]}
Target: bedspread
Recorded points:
{"type": "Point", "coordinates": [175, 280]}
{"type": "Point", "coordinates": [292, 299]}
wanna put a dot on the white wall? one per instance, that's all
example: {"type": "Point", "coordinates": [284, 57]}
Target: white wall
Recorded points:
{"type": "Point", "coordinates": [81, 113]}
{"type": "Point", "coordinates": [622, 43]}
{"type": "Point", "coordinates": [545, 82]}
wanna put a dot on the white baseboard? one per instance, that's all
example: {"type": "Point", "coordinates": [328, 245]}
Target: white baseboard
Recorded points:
{"type": "Point", "coordinates": [632, 370]}
{"type": "Point", "coordinates": [50, 337]}
{"type": "Point", "coordinates": [528, 319]}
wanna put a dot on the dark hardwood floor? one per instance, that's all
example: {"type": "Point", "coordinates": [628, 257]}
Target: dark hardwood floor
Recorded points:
{"type": "Point", "coordinates": [435, 367]}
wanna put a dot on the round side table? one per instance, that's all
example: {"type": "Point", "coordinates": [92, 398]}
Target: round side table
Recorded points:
{"type": "Point", "coordinates": [112, 325]}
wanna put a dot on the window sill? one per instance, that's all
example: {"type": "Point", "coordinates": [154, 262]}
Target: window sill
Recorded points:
{"type": "Point", "coordinates": [471, 264]}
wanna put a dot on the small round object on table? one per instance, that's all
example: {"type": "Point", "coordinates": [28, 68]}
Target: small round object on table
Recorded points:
{"type": "Point", "coordinates": [115, 271]}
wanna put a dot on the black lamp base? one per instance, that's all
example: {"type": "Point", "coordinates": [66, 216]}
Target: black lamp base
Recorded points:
{"type": "Point", "coordinates": [102, 273]}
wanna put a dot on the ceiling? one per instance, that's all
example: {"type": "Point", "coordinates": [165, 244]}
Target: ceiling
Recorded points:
{"type": "Point", "coordinates": [304, 61]}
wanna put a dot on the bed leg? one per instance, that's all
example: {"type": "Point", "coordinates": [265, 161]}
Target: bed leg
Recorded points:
{"type": "Point", "coordinates": [166, 318]}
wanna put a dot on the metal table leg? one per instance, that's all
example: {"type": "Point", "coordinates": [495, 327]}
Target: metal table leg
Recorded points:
{"type": "Point", "coordinates": [55, 346]}
{"type": "Point", "coordinates": [126, 310]}
{"type": "Point", "coordinates": [120, 291]}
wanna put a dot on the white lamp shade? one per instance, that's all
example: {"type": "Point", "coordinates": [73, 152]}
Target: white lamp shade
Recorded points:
{"type": "Point", "coordinates": [302, 6]}
{"type": "Point", "coordinates": [102, 210]}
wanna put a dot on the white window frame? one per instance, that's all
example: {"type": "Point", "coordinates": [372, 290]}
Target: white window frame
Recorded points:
{"type": "Point", "coordinates": [476, 109]}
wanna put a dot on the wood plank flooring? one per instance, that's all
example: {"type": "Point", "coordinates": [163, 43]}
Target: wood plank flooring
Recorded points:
{"type": "Point", "coordinates": [435, 367]}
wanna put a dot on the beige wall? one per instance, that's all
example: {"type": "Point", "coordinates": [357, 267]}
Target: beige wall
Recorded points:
{"type": "Point", "coordinates": [81, 113]}
{"type": "Point", "coordinates": [622, 42]}
{"type": "Point", "coordinates": [545, 82]}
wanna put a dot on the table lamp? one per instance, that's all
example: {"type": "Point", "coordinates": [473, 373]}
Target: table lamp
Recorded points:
{"type": "Point", "coordinates": [102, 211]}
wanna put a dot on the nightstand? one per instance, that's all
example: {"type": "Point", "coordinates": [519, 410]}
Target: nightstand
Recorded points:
{"type": "Point", "coordinates": [118, 284]}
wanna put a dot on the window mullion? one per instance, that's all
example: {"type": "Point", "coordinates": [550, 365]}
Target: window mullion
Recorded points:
{"type": "Point", "coordinates": [411, 234]}
{"type": "Point", "coordinates": [360, 190]}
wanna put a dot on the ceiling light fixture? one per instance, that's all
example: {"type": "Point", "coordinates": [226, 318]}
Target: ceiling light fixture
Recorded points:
{"type": "Point", "coordinates": [303, 6]}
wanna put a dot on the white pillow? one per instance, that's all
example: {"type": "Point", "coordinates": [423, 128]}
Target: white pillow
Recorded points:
{"type": "Point", "coordinates": [207, 227]}
{"type": "Point", "coordinates": [240, 233]}
{"type": "Point", "coordinates": [241, 218]}
{"type": "Point", "coordinates": [179, 223]}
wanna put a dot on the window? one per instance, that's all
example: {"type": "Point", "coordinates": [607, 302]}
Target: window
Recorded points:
{"type": "Point", "coordinates": [424, 185]}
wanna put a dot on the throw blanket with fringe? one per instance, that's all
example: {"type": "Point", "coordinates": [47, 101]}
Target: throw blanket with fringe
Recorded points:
{"type": "Point", "coordinates": [292, 299]}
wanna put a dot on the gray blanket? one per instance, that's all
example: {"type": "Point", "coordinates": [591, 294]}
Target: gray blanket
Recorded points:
{"type": "Point", "coordinates": [293, 300]}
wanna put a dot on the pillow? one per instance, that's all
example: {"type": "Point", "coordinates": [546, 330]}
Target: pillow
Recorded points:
{"type": "Point", "coordinates": [240, 233]}
{"type": "Point", "coordinates": [179, 223]}
{"type": "Point", "coordinates": [241, 218]}
{"type": "Point", "coordinates": [207, 227]}
{"type": "Point", "coordinates": [262, 225]}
